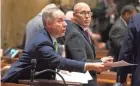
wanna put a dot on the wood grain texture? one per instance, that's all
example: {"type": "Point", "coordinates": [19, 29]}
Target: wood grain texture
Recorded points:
{"type": "Point", "coordinates": [15, 15]}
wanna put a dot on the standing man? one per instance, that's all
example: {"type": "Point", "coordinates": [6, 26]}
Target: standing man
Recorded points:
{"type": "Point", "coordinates": [41, 47]}
{"type": "Point", "coordinates": [116, 36]}
{"type": "Point", "coordinates": [78, 44]}
{"type": "Point", "coordinates": [119, 29]}
{"type": "Point", "coordinates": [130, 50]}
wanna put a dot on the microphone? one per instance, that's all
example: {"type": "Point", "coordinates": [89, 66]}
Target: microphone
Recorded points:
{"type": "Point", "coordinates": [33, 67]}
{"type": "Point", "coordinates": [53, 71]}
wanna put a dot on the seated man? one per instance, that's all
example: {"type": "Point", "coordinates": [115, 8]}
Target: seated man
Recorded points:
{"type": "Point", "coordinates": [41, 47]}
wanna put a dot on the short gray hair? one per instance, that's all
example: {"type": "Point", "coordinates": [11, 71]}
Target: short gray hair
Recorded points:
{"type": "Point", "coordinates": [127, 8]}
{"type": "Point", "coordinates": [48, 14]}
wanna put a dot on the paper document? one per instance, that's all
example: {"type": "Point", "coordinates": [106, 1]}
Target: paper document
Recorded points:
{"type": "Point", "coordinates": [74, 76]}
{"type": "Point", "coordinates": [119, 64]}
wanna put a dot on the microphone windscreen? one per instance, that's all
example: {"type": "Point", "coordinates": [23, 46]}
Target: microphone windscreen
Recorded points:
{"type": "Point", "coordinates": [33, 61]}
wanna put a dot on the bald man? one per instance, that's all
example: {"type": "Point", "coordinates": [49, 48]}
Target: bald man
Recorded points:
{"type": "Point", "coordinates": [78, 44]}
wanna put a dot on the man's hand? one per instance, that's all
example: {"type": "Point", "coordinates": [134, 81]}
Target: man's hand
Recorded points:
{"type": "Point", "coordinates": [98, 67]}
{"type": "Point", "coordinates": [107, 59]}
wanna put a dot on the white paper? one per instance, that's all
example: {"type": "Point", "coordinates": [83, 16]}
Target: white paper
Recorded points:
{"type": "Point", "coordinates": [75, 76]}
{"type": "Point", "coordinates": [119, 64]}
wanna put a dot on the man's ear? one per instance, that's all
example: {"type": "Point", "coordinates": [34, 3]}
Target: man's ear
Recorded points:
{"type": "Point", "coordinates": [48, 24]}
{"type": "Point", "coordinates": [127, 14]}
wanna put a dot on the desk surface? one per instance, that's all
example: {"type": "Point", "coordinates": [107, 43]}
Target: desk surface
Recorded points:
{"type": "Point", "coordinates": [13, 84]}
{"type": "Point", "coordinates": [110, 77]}
{"type": "Point", "coordinates": [43, 82]}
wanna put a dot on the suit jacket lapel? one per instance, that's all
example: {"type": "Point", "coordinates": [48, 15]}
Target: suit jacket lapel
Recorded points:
{"type": "Point", "coordinates": [47, 34]}
{"type": "Point", "coordinates": [44, 31]}
{"type": "Point", "coordinates": [91, 44]}
{"type": "Point", "coordinates": [82, 31]}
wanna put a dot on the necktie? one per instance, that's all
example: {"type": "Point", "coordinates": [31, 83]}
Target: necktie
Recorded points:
{"type": "Point", "coordinates": [87, 35]}
{"type": "Point", "coordinates": [56, 46]}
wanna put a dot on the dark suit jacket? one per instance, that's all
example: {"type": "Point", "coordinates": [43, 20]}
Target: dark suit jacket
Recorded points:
{"type": "Point", "coordinates": [78, 47]}
{"type": "Point", "coordinates": [130, 49]}
{"type": "Point", "coordinates": [77, 44]}
{"type": "Point", "coordinates": [41, 48]}
{"type": "Point", "coordinates": [116, 36]}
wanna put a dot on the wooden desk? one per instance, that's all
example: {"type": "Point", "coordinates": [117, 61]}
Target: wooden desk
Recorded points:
{"type": "Point", "coordinates": [109, 78]}
{"type": "Point", "coordinates": [13, 84]}
{"type": "Point", "coordinates": [101, 53]}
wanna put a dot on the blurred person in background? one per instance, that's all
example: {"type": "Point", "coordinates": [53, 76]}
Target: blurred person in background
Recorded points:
{"type": "Point", "coordinates": [104, 16]}
{"type": "Point", "coordinates": [119, 29]}
{"type": "Point", "coordinates": [130, 50]}
{"type": "Point", "coordinates": [116, 36]}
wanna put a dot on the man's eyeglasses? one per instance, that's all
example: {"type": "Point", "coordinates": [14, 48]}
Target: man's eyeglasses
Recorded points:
{"type": "Point", "coordinates": [85, 13]}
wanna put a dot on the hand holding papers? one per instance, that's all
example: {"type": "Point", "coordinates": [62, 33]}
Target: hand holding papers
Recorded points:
{"type": "Point", "coordinates": [119, 64]}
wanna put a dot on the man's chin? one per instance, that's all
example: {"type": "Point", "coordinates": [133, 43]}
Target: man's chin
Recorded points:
{"type": "Point", "coordinates": [86, 25]}
{"type": "Point", "coordinates": [61, 35]}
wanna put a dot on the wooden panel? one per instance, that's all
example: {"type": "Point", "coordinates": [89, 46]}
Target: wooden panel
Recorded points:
{"type": "Point", "coordinates": [15, 15]}
{"type": "Point", "coordinates": [109, 78]}
{"type": "Point", "coordinates": [101, 53]}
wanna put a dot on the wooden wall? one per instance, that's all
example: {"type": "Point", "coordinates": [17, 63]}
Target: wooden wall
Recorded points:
{"type": "Point", "coordinates": [15, 15]}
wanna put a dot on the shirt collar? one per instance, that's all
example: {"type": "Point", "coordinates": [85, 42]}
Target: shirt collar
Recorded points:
{"type": "Point", "coordinates": [123, 21]}
{"type": "Point", "coordinates": [85, 29]}
{"type": "Point", "coordinates": [53, 39]}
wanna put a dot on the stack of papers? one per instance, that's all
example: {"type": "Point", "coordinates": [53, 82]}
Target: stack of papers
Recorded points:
{"type": "Point", "coordinates": [74, 76]}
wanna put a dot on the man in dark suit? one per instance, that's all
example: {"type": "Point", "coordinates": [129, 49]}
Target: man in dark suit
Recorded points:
{"type": "Point", "coordinates": [41, 48]}
{"type": "Point", "coordinates": [118, 30]}
{"type": "Point", "coordinates": [130, 50]}
{"type": "Point", "coordinates": [78, 44]}
{"type": "Point", "coordinates": [116, 36]}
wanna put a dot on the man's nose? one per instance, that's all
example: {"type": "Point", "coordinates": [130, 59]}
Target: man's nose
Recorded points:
{"type": "Point", "coordinates": [87, 15]}
{"type": "Point", "coordinates": [64, 24]}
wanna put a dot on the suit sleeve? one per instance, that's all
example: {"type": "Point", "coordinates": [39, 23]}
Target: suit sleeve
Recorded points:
{"type": "Point", "coordinates": [116, 36]}
{"type": "Point", "coordinates": [128, 46]}
{"type": "Point", "coordinates": [127, 53]}
{"type": "Point", "coordinates": [75, 47]}
{"type": "Point", "coordinates": [54, 60]}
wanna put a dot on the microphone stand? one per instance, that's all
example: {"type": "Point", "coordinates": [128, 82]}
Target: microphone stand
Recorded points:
{"type": "Point", "coordinates": [32, 77]}
{"type": "Point", "coordinates": [50, 70]}
{"type": "Point", "coordinates": [33, 67]}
